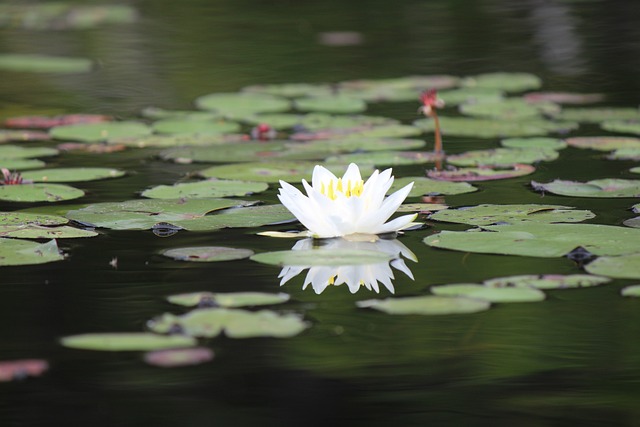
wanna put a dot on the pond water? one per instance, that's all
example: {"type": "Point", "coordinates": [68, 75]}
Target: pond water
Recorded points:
{"type": "Point", "coordinates": [571, 359]}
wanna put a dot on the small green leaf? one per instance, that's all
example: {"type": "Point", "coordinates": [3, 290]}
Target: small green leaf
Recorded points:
{"type": "Point", "coordinates": [207, 253]}
{"type": "Point", "coordinates": [631, 291]}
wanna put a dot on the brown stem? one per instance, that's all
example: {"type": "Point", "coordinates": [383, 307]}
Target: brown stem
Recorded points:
{"type": "Point", "coordinates": [438, 146]}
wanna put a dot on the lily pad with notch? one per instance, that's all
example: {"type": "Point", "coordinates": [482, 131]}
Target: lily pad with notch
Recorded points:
{"type": "Point", "coordinates": [487, 214]}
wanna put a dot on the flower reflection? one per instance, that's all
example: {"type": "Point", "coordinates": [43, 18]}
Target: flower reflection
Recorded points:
{"type": "Point", "coordinates": [354, 276]}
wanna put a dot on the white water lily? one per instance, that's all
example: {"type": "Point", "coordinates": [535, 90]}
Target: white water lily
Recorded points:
{"type": "Point", "coordinates": [336, 207]}
{"type": "Point", "coordinates": [354, 276]}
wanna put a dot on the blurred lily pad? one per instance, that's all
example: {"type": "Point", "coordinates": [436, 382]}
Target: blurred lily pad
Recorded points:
{"type": "Point", "coordinates": [422, 186]}
{"type": "Point", "coordinates": [39, 193]}
{"type": "Point", "coordinates": [46, 122]}
{"type": "Point", "coordinates": [242, 104]}
{"type": "Point", "coordinates": [548, 281]}
{"type": "Point", "coordinates": [241, 152]}
{"type": "Point", "coordinates": [483, 173]}
{"type": "Point", "coordinates": [194, 127]}
{"type": "Point", "coordinates": [426, 305]}
{"type": "Point", "coordinates": [598, 115]}
{"type": "Point", "coordinates": [20, 252]}
{"type": "Point", "coordinates": [540, 240]}
{"type": "Point", "coordinates": [22, 164]}
{"type": "Point", "coordinates": [207, 253]}
{"type": "Point", "coordinates": [174, 140]}
{"type": "Point", "coordinates": [620, 267]}
{"type": "Point", "coordinates": [623, 126]}
{"type": "Point", "coordinates": [488, 128]}
{"type": "Point", "coordinates": [625, 154]}
{"type": "Point", "coordinates": [632, 222]}
{"type": "Point", "coordinates": [330, 104]}
{"type": "Point", "coordinates": [176, 357]}
{"type": "Point", "coordinates": [234, 323]}
{"type": "Point", "coordinates": [33, 231]}
{"type": "Point", "coordinates": [22, 135]}
{"type": "Point", "coordinates": [630, 291]}
{"type": "Point", "coordinates": [331, 146]}
{"type": "Point", "coordinates": [156, 113]}
{"type": "Point", "coordinates": [564, 97]}
{"type": "Point", "coordinates": [96, 132]}
{"type": "Point", "coordinates": [487, 214]}
{"type": "Point", "coordinates": [539, 143]}
{"type": "Point", "coordinates": [228, 300]}
{"type": "Point", "coordinates": [508, 109]}
{"type": "Point", "coordinates": [604, 143]}
{"type": "Point", "coordinates": [291, 90]}
{"type": "Point", "coordinates": [502, 157]}
{"type": "Point", "coordinates": [594, 188]}
{"type": "Point", "coordinates": [320, 256]}
{"type": "Point", "coordinates": [261, 172]}
{"type": "Point", "coordinates": [126, 341]}
{"type": "Point", "coordinates": [31, 63]}
{"type": "Point", "coordinates": [207, 188]}
{"type": "Point", "coordinates": [326, 122]}
{"type": "Point", "coordinates": [384, 158]}
{"type": "Point", "coordinates": [17, 152]}
{"type": "Point", "coordinates": [469, 95]}
{"type": "Point", "coordinates": [71, 174]}
{"type": "Point", "coordinates": [64, 15]}
{"type": "Point", "coordinates": [508, 82]}
{"type": "Point", "coordinates": [490, 293]}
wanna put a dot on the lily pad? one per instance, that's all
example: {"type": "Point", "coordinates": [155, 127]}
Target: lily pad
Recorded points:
{"type": "Point", "coordinates": [195, 127]}
{"type": "Point", "coordinates": [604, 143]}
{"type": "Point", "coordinates": [483, 173]}
{"type": "Point", "coordinates": [46, 122]}
{"type": "Point", "coordinates": [625, 154]}
{"type": "Point", "coordinates": [22, 135]}
{"type": "Point", "coordinates": [323, 121]}
{"type": "Point", "coordinates": [207, 253]}
{"type": "Point", "coordinates": [41, 232]}
{"type": "Point", "coordinates": [508, 109]}
{"type": "Point", "coordinates": [469, 95]}
{"type": "Point", "coordinates": [241, 217]}
{"type": "Point", "coordinates": [208, 188]}
{"type": "Point", "coordinates": [20, 252]}
{"type": "Point", "coordinates": [176, 357]}
{"type": "Point", "coordinates": [242, 104]}
{"type": "Point", "coordinates": [508, 82]}
{"type": "Point", "coordinates": [25, 218]}
{"type": "Point", "coordinates": [594, 188]}
{"type": "Point", "coordinates": [333, 257]}
{"type": "Point", "coordinates": [175, 140]}
{"type": "Point", "coordinates": [385, 158]}
{"type": "Point", "coordinates": [241, 152]}
{"type": "Point", "coordinates": [426, 305]}
{"type": "Point", "coordinates": [291, 90]}
{"type": "Point", "coordinates": [330, 104]}
{"type": "Point", "coordinates": [548, 281]}
{"type": "Point", "coordinates": [630, 291]}
{"type": "Point", "coordinates": [63, 15]}
{"type": "Point", "coordinates": [487, 128]}
{"type": "Point", "coordinates": [487, 214]}
{"type": "Point", "coordinates": [502, 157]}
{"type": "Point", "coordinates": [598, 115]}
{"type": "Point", "coordinates": [490, 293]}
{"type": "Point", "coordinates": [126, 341]}
{"type": "Point", "coordinates": [633, 222]}
{"type": "Point", "coordinates": [44, 63]}
{"type": "Point", "coordinates": [17, 152]}
{"type": "Point", "coordinates": [156, 113]}
{"type": "Point", "coordinates": [623, 126]}
{"type": "Point", "coordinates": [227, 300]}
{"type": "Point", "coordinates": [71, 174]}
{"type": "Point", "coordinates": [538, 143]}
{"type": "Point", "coordinates": [421, 207]}
{"type": "Point", "coordinates": [563, 97]}
{"type": "Point", "coordinates": [540, 240]}
{"type": "Point", "coordinates": [422, 186]}
{"type": "Point", "coordinates": [21, 164]}
{"type": "Point", "coordinates": [97, 132]}
{"type": "Point", "coordinates": [331, 146]}
{"type": "Point", "coordinates": [234, 323]}
{"type": "Point", "coordinates": [11, 370]}
{"type": "Point", "coordinates": [39, 193]}
{"type": "Point", "coordinates": [261, 172]}
{"type": "Point", "coordinates": [620, 267]}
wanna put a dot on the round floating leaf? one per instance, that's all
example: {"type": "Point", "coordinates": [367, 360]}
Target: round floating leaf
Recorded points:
{"type": "Point", "coordinates": [328, 122]}
{"type": "Point", "coordinates": [276, 120]}
{"type": "Point", "coordinates": [621, 267]}
{"type": "Point", "coordinates": [483, 173]}
{"type": "Point", "coordinates": [71, 174]}
{"type": "Point", "coordinates": [207, 253]}
{"type": "Point", "coordinates": [564, 97]}
{"type": "Point", "coordinates": [11, 370]}
{"type": "Point", "coordinates": [631, 291]}
{"type": "Point", "coordinates": [635, 170]}
{"type": "Point", "coordinates": [385, 158]}
{"type": "Point", "coordinates": [291, 90]}
{"type": "Point", "coordinates": [491, 294]}
{"type": "Point", "coordinates": [16, 152]}
{"type": "Point", "coordinates": [502, 157]}
{"type": "Point", "coordinates": [22, 135]}
{"type": "Point", "coordinates": [262, 172]}
{"type": "Point", "coordinates": [548, 281]}
{"type": "Point", "coordinates": [235, 323]}
{"type": "Point", "coordinates": [96, 132]}
{"type": "Point", "coordinates": [252, 216]}
{"type": "Point", "coordinates": [22, 164]}
{"type": "Point", "coordinates": [126, 341]}
{"type": "Point", "coordinates": [491, 214]}
{"type": "Point", "coordinates": [469, 95]}
{"type": "Point", "coordinates": [175, 140]}
{"type": "Point", "coordinates": [46, 122]}
{"type": "Point", "coordinates": [633, 222]}
{"type": "Point", "coordinates": [208, 188]}
{"type": "Point", "coordinates": [598, 115]}
{"type": "Point", "coordinates": [144, 214]}
{"type": "Point", "coordinates": [172, 358]}
{"type": "Point", "coordinates": [24, 218]}
{"type": "Point", "coordinates": [537, 143]}
{"type": "Point", "coordinates": [426, 305]}
{"type": "Point", "coordinates": [604, 143]}
{"type": "Point", "coordinates": [508, 82]}
{"type": "Point", "coordinates": [396, 89]}
{"type": "Point", "coordinates": [196, 127]}
{"type": "Point", "coordinates": [330, 104]}
{"type": "Point", "coordinates": [622, 126]}
{"type": "Point", "coordinates": [155, 113]}
{"type": "Point", "coordinates": [330, 146]}
{"type": "Point", "coordinates": [508, 109]}
{"type": "Point", "coordinates": [20, 252]}
{"type": "Point", "coordinates": [540, 240]}
{"type": "Point", "coordinates": [625, 154]}
{"type": "Point", "coordinates": [242, 104]}
{"type": "Point", "coordinates": [228, 300]}
{"type": "Point", "coordinates": [595, 188]}
{"type": "Point", "coordinates": [485, 128]}
{"type": "Point", "coordinates": [421, 207]}
{"type": "Point", "coordinates": [422, 186]}
{"type": "Point", "coordinates": [313, 257]}
{"type": "Point", "coordinates": [44, 64]}
{"type": "Point", "coordinates": [241, 152]}
{"type": "Point", "coordinates": [39, 193]}
{"type": "Point", "coordinates": [40, 232]}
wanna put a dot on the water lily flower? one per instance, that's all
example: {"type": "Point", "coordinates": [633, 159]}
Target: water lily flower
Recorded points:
{"type": "Point", "coordinates": [367, 276]}
{"type": "Point", "coordinates": [335, 207]}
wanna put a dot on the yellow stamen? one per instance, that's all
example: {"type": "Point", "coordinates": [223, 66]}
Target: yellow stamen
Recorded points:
{"type": "Point", "coordinates": [351, 189]}
{"type": "Point", "coordinates": [332, 280]}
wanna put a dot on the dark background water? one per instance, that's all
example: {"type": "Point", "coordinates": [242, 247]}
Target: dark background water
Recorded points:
{"type": "Point", "coordinates": [573, 359]}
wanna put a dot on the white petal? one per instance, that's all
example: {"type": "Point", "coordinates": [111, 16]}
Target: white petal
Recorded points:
{"type": "Point", "coordinates": [352, 174]}
{"type": "Point", "coordinates": [396, 224]}
{"type": "Point", "coordinates": [320, 175]}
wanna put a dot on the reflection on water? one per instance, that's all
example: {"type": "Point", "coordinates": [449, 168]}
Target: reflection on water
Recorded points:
{"type": "Point", "coordinates": [354, 276]}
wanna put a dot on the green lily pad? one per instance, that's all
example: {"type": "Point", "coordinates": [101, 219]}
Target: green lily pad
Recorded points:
{"type": "Point", "coordinates": [24, 218]}
{"type": "Point", "coordinates": [623, 126]}
{"type": "Point", "coordinates": [487, 128]}
{"type": "Point", "coordinates": [144, 214]}
{"type": "Point", "coordinates": [491, 294]}
{"type": "Point", "coordinates": [40, 232]}
{"type": "Point", "coordinates": [598, 115]}
{"type": "Point", "coordinates": [242, 104]}
{"type": "Point", "coordinates": [21, 164]}
{"type": "Point", "coordinates": [39, 193]}
{"type": "Point", "coordinates": [332, 146]}
{"type": "Point", "coordinates": [44, 64]}
{"type": "Point", "coordinates": [604, 143]}
{"type": "Point", "coordinates": [330, 104]}
{"type": "Point", "coordinates": [540, 240]}
{"type": "Point", "coordinates": [208, 188]}
{"type": "Point", "coordinates": [564, 97]}
{"type": "Point", "coordinates": [426, 305]}
{"type": "Point", "coordinates": [16, 152]}
{"type": "Point", "coordinates": [508, 82]}
{"type": "Point", "coordinates": [594, 188]}
{"type": "Point", "coordinates": [228, 300]}
{"type": "Point", "coordinates": [322, 121]}
{"type": "Point", "coordinates": [422, 186]}
{"type": "Point", "coordinates": [384, 158]}
{"type": "Point", "coordinates": [46, 122]}
{"type": "Point", "coordinates": [241, 217]}
{"type": "Point", "coordinates": [385, 131]}
{"type": "Point", "coordinates": [261, 172]}
{"type": "Point", "coordinates": [176, 357]}
{"type": "Point", "coordinates": [620, 267]}
{"type": "Point", "coordinates": [330, 257]}
{"type": "Point", "coordinates": [71, 174]}
{"type": "Point", "coordinates": [241, 152]}
{"type": "Point", "coordinates": [421, 207]}
{"type": "Point", "coordinates": [630, 291]}
{"type": "Point", "coordinates": [20, 252]}
{"type": "Point", "coordinates": [487, 214]}
{"type": "Point", "coordinates": [625, 154]}
{"type": "Point", "coordinates": [97, 132]}
{"type": "Point", "coordinates": [156, 113]}
{"type": "Point", "coordinates": [469, 95]}
{"type": "Point", "coordinates": [508, 109]}
{"type": "Point", "coordinates": [196, 127]}
{"type": "Point", "coordinates": [126, 341]}
{"type": "Point", "coordinates": [22, 135]}
{"type": "Point", "coordinates": [483, 173]}
{"type": "Point", "coordinates": [548, 281]}
{"type": "Point", "coordinates": [235, 323]}
{"type": "Point", "coordinates": [207, 253]}
{"type": "Point", "coordinates": [291, 90]}
{"type": "Point", "coordinates": [395, 89]}
{"type": "Point", "coordinates": [502, 157]}
{"type": "Point", "coordinates": [277, 121]}
{"type": "Point", "coordinates": [538, 143]}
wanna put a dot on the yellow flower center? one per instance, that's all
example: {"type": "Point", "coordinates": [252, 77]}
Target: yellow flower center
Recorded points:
{"type": "Point", "coordinates": [350, 189]}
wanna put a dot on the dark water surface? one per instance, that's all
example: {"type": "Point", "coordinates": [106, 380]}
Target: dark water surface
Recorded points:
{"type": "Point", "coordinates": [571, 360]}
